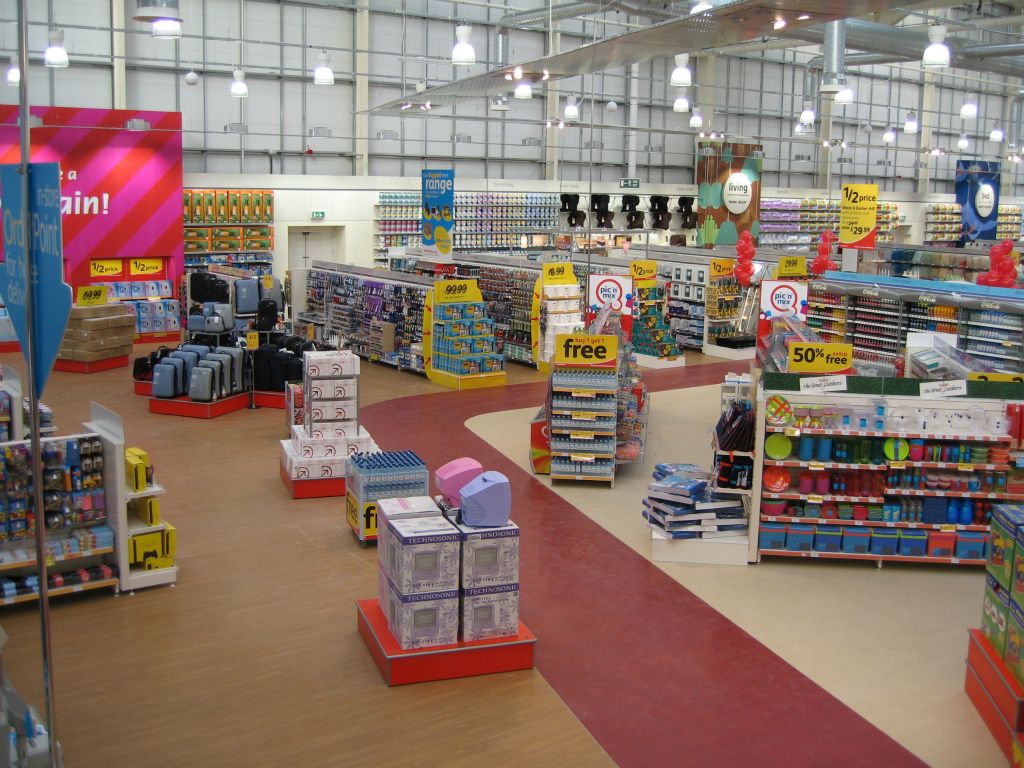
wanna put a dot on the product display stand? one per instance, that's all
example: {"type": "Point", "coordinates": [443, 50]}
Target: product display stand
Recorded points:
{"type": "Point", "coordinates": [446, 662]}
{"type": "Point", "coordinates": [556, 309]}
{"type": "Point", "coordinates": [996, 694]}
{"type": "Point", "coordinates": [183, 406]}
{"type": "Point", "coordinates": [458, 341]}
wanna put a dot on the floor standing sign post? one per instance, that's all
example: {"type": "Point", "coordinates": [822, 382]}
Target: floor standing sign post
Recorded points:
{"type": "Point", "coordinates": [39, 302]}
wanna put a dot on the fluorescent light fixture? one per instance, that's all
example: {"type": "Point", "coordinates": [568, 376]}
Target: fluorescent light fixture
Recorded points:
{"type": "Point", "coordinates": [611, 106]}
{"type": "Point", "coordinates": [406, 105]}
{"type": "Point", "coordinates": [425, 107]}
{"type": "Point", "coordinates": [155, 10]}
{"type": "Point", "coordinates": [844, 95]}
{"type": "Point", "coordinates": [463, 54]}
{"type": "Point", "coordinates": [238, 87]}
{"type": "Point", "coordinates": [826, 144]}
{"type": "Point", "coordinates": [544, 74]}
{"type": "Point", "coordinates": [523, 91]}
{"type": "Point", "coordinates": [779, 23]}
{"type": "Point", "coordinates": [937, 152]}
{"type": "Point", "coordinates": [13, 72]}
{"type": "Point", "coordinates": [889, 135]}
{"type": "Point", "coordinates": [803, 17]}
{"type": "Point", "coordinates": [517, 73]}
{"type": "Point", "coordinates": [191, 77]}
{"type": "Point", "coordinates": [807, 115]}
{"type": "Point", "coordinates": [997, 133]}
{"type": "Point", "coordinates": [681, 74]}
{"type": "Point", "coordinates": [322, 73]}
{"type": "Point", "coordinates": [701, 7]}
{"type": "Point", "coordinates": [572, 112]}
{"type": "Point", "coordinates": [681, 104]}
{"type": "Point", "coordinates": [696, 119]}
{"type": "Point", "coordinates": [936, 55]}
{"type": "Point", "coordinates": [969, 109]}
{"type": "Point", "coordinates": [962, 142]}
{"type": "Point", "coordinates": [55, 55]}
{"type": "Point", "coordinates": [167, 29]}
{"type": "Point", "coordinates": [911, 125]}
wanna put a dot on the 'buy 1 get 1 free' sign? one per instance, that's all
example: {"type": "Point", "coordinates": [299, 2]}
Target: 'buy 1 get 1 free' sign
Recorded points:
{"type": "Point", "coordinates": [820, 357]}
{"type": "Point", "coordinates": [586, 350]}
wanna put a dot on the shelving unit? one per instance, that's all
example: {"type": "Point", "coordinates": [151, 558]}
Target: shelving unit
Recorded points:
{"type": "Point", "coordinates": [585, 395]}
{"type": "Point", "coordinates": [799, 223]}
{"type": "Point", "coordinates": [229, 228]}
{"type": "Point", "coordinates": [943, 223]}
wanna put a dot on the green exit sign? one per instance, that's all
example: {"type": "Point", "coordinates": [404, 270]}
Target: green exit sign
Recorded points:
{"type": "Point", "coordinates": [629, 183]}
{"type": "Point", "coordinates": [318, 215]}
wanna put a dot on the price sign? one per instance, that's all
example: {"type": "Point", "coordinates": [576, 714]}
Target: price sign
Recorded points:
{"type": "Point", "coordinates": [722, 267]}
{"type": "Point", "coordinates": [106, 268]}
{"type": "Point", "coordinates": [559, 274]}
{"type": "Point", "coordinates": [310, 331]}
{"type": "Point", "coordinates": [586, 350]}
{"type": "Point", "coordinates": [1017, 378]}
{"type": "Point", "coordinates": [858, 216]}
{"type": "Point", "coordinates": [583, 416]}
{"type": "Point", "coordinates": [646, 269]}
{"type": "Point", "coordinates": [91, 295]}
{"type": "Point", "coordinates": [146, 266]}
{"type": "Point", "coordinates": [818, 357]}
{"type": "Point", "coordinates": [456, 291]}
{"type": "Point", "coordinates": [793, 266]}
{"type": "Point", "coordinates": [252, 340]}
{"type": "Point", "coordinates": [268, 282]}
{"type": "Point", "coordinates": [574, 435]}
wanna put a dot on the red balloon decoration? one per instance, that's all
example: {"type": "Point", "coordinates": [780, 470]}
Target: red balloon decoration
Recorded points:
{"type": "Point", "coordinates": [822, 262]}
{"type": "Point", "coordinates": [745, 250]}
{"type": "Point", "coordinates": [1002, 271]}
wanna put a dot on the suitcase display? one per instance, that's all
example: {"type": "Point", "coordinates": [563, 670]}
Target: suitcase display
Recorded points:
{"type": "Point", "coordinates": [261, 366]}
{"type": "Point", "coordinates": [190, 358]}
{"type": "Point", "coordinates": [196, 322]}
{"type": "Point", "coordinates": [273, 293]}
{"type": "Point", "coordinates": [237, 355]}
{"type": "Point", "coordinates": [201, 387]}
{"type": "Point", "coordinates": [227, 383]}
{"type": "Point", "coordinates": [278, 370]}
{"type": "Point", "coordinates": [213, 324]}
{"type": "Point", "coordinates": [266, 315]}
{"type": "Point", "coordinates": [200, 349]}
{"type": "Point", "coordinates": [293, 369]}
{"type": "Point", "coordinates": [165, 379]}
{"type": "Point", "coordinates": [179, 373]}
{"type": "Point", "coordinates": [247, 296]}
{"type": "Point", "coordinates": [217, 382]}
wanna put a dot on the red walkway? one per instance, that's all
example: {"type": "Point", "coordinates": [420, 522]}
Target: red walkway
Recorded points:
{"type": "Point", "coordinates": [654, 673]}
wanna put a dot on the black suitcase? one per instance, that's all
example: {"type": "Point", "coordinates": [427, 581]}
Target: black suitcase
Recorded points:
{"type": "Point", "coordinates": [261, 366]}
{"type": "Point", "coordinates": [293, 344]}
{"type": "Point", "coordinates": [293, 369]}
{"type": "Point", "coordinates": [279, 370]}
{"type": "Point", "coordinates": [266, 315]}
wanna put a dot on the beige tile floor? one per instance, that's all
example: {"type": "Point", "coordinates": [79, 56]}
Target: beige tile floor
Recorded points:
{"type": "Point", "coordinates": [889, 643]}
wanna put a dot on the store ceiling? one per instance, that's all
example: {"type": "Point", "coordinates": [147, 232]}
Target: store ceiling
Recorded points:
{"type": "Point", "coordinates": [725, 25]}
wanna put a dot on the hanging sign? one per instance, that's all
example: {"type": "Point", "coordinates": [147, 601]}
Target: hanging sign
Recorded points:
{"type": "Point", "coordinates": [644, 270]}
{"type": "Point", "coordinates": [818, 357]}
{"type": "Point", "coordinates": [438, 216]}
{"type": "Point", "coordinates": [559, 274]}
{"type": "Point", "coordinates": [146, 266]}
{"type": "Point", "coordinates": [106, 268]}
{"type": "Point", "coordinates": [581, 349]}
{"type": "Point", "coordinates": [456, 291]}
{"type": "Point", "coordinates": [91, 295]}
{"type": "Point", "coordinates": [609, 289]}
{"type": "Point", "coordinates": [858, 216]}
{"type": "Point", "coordinates": [722, 268]}
{"type": "Point", "coordinates": [252, 340]}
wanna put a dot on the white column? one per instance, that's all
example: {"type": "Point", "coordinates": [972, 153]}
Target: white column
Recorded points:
{"type": "Point", "coordinates": [118, 85]}
{"type": "Point", "coordinates": [362, 83]}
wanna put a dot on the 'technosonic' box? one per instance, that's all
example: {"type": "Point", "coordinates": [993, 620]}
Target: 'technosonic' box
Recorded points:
{"type": "Point", "coordinates": [1006, 519]}
{"type": "Point", "coordinates": [422, 555]}
{"type": "Point", "coordinates": [995, 614]}
{"type": "Point", "coordinates": [490, 556]}
{"type": "Point", "coordinates": [329, 363]}
{"type": "Point", "coordinates": [489, 612]}
{"type": "Point", "coordinates": [400, 509]}
{"type": "Point", "coordinates": [332, 389]}
{"type": "Point", "coordinates": [420, 621]}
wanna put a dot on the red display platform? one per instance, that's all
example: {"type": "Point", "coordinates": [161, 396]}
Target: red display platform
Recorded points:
{"type": "Point", "coordinates": [989, 712]}
{"type": "Point", "coordinates": [74, 366]}
{"type": "Point", "coordinates": [143, 388]}
{"type": "Point", "coordinates": [153, 338]}
{"type": "Point", "coordinates": [269, 399]}
{"type": "Point", "coordinates": [444, 662]}
{"type": "Point", "coordinates": [998, 681]}
{"type": "Point", "coordinates": [182, 406]}
{"type": "Point", "coordinates": [319, 488]}
{"type": "Point", "coordinates": [10, 346]}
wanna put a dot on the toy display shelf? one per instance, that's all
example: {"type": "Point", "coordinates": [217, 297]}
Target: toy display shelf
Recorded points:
{"type": "Point", "coordinates": [995, 404]}
{"type": "Point", "coordinates": [109, 426]}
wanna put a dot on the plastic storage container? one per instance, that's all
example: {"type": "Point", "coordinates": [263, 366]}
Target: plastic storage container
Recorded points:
{"type": "Point", "coordinates": [913, 543]}
{"type": "Point", "coordinates": [856, 541]}
{"type": "Point", "coordinates": [772, 536]}
{"type": "Point", "coordinates": [941, 544]}
{"type": "Point", "coordinates": [884, 542]}
{"type": "Point", "coordinates": [970, 545]}
{"type": "Point", "coordinates": [799, 537]}
{"type": "Point", "coordinates": [827, 538]}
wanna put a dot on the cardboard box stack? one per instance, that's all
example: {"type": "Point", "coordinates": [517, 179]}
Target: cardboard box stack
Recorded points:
{"type": "Point", "coordinates": [97, 333]}
{"type": "Point", "coordinates": [1002, 619]}
{"type": "Point", "coordinates": [329, 430]}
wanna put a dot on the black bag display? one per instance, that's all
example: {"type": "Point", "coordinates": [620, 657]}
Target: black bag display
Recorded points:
{"type": "Point", "coordinates": [141, 370]}
{"type": "Point", "coordinates": [278, 370]}
{"type": "Point", "coordinates": [604, 219]}
{"type": "Point", "coordinates": [266, 315]}
{"type": "Point", "coordinates": [630, 202]}
{"type": "Point", "coordinates": [261, 366]}
{"type": "Point", "coordinates": [661, 219]}
{"type": "Point", "coordinates": [569, 203]}
{"type": "Point", "coordinates": [293, 369]}
{"type": "Point", "coordinates": [576, 218]}
{"type": "Point", "coordinates": [659, 203]}
{"type": "Point", "coordinates": [293, 344]}
{"type": "Point", "coordinates": [599, 203]}
{"type": "Point", "coordinates": [635, 220]}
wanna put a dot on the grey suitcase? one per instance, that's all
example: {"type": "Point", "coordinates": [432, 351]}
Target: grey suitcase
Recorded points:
{"type": "Point", "coordinates": [164, 381]}
{"type": "Point", "coordinates": [200, 349]}
{"type": "Point", "coordinates": [274, 293]}
{"type": "Point", "coordinates": [237, 355]}
{"type": "Point", "coordinates": [217, 383]}
{"type": "Point", "coordinates": [179, 374]}
{"type": "Point", "coordinates": [247, 296]}
{"type": "Point", "coordinates": [200, 386]}
{"type": "Point", "coordinates": [227, 383]}
{"type": "Point", "coordinates": [190, 358]}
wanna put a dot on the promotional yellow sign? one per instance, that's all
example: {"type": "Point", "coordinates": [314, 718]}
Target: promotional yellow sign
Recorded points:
{"type": "Point", "coordinates": [252, 340]}
{"type": "Point", "coordinates": [586, 350]}
{"type": "Point", "coordinates": [106, 267]}
{"type": "Point", "coordinates": [363, 520]}
{"type": "Point", "coordinates": [559, 274]}
{"type": "Point", "coordinates": [793, 266]}
{"type": "Point", "coordinates": [722, 267]}
{"type": "Point", "coordinates": [858, 216]}
{"type": "Point", "coordinates": [456, 291]}
{"type": "Point", "coordinates": [1016, 378]}
{"type": "Point", "coordinates": [646, 269]}
{"type": "Point", "coordinates": [268, 282]}
{"type": "Point", "coordinates": [818, 357]}
{"type": "Point", "coordinates": [90, 295]}
{"type": "Point", "coordinates": [146, 266]}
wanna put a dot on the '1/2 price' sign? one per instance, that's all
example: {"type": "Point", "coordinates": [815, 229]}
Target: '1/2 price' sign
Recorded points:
{"type": "Point", "coordinates": [858, 216]}
{"type": "Point", "coordinates": [722, 267]}
{"type": "Point", "coordinates": [818, 357]}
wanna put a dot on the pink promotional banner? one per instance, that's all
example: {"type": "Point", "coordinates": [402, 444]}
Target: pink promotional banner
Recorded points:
{"type": "Point", "coordinates": [120, 189]}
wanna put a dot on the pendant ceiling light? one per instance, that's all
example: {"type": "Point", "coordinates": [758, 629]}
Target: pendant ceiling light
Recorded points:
{"type": "Point", "coordinates": [238, 87]}
{"type": "Point", "coordinates": [13, 72]}
{"type": "Point", "coordinates": [701, 7]}
{"type": "Point", "coordinates": [681, 74]}
{"type": "Point", "coordinates": [55, 55]}
{"type": "Point", "coordinates": [681, 104]}
{"type": "Point", "coordinates": [844, 95]}
{"type": "Point", "coordinates": [962, 142]}
{"type": "Point", "coordinates": [611, 106]}
{"type": "Point", "coordinates": [322, 73]}
{"type": "Point", "coordinates": [523, 91]}
{"type": "Point", "coordinates": [154, 10]}
{"type": "Point", "coordinates": [191, 77]}
{"type": "Point", "coordinates": [807, 115]}
{"type": "Point", "coordinates": [572, 111]}
{"type": "Point", "coordinates": [969, 109]}
{"type": "Point", "coordinates": [911, 125]}
{"type": "Point", "coordinates": [997, 133]}
{"type": "Point", "coordinates": [798, 129]}
{"type": "Point", "coordinates": [463, 54]}
{"type": "Point", "coordinates": [889, 135]}
{"type": "Point", "coordinates": [167, 29]}
{"type": "Point", "coordinates": [936, 55]}
{"type": "Point", "coordinates": [696, 119]}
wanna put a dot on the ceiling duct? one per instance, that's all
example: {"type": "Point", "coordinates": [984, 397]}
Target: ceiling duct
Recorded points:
{"type": "Point", "coordinates": [572, 10]}
{"type": "Point", "coordinates": [833, 76]}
